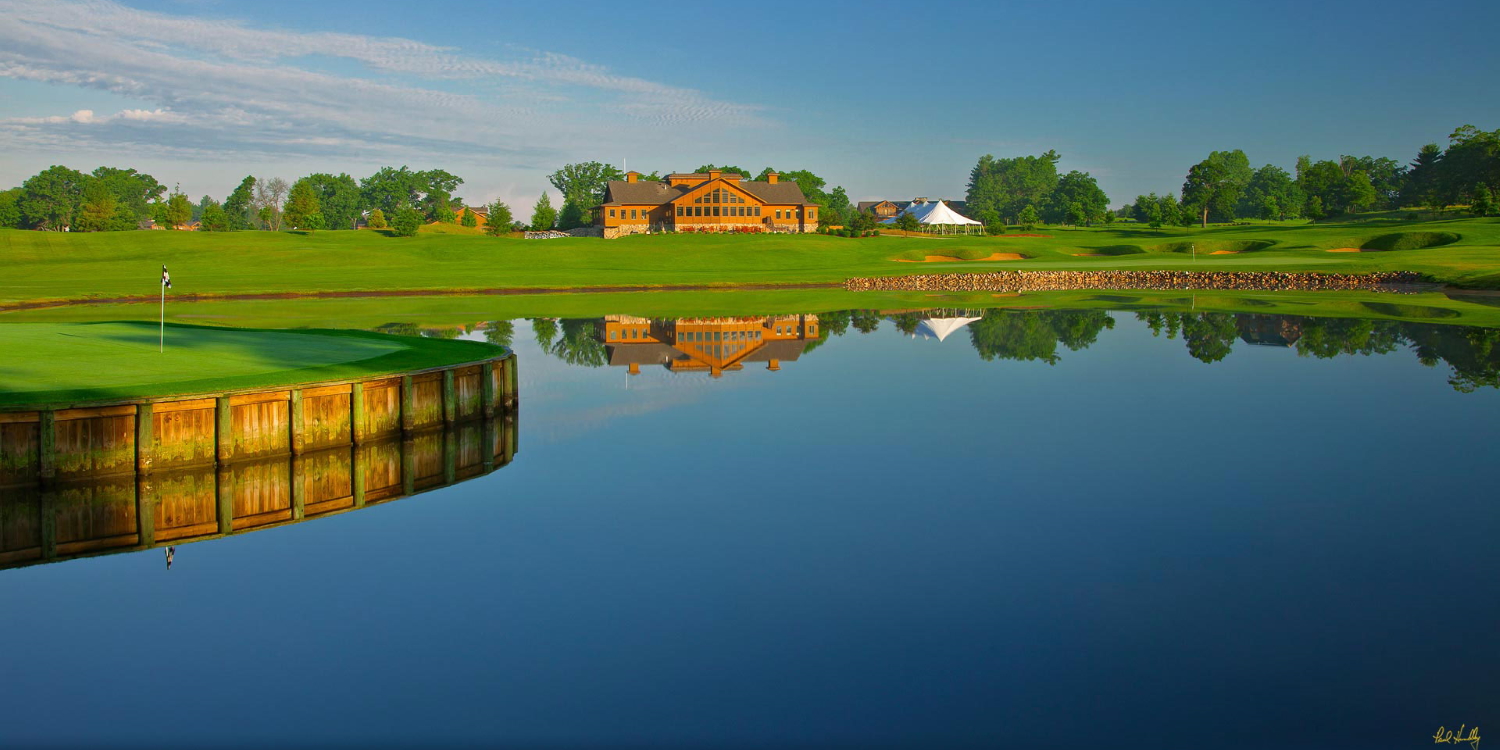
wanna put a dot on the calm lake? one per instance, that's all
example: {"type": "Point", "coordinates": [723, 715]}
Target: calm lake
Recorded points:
{"type": "Point", "coordinates": [927, 528]}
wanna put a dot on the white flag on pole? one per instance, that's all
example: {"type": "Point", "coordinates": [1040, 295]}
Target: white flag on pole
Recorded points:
{"type": "Point", "coordinates": [166, 280]}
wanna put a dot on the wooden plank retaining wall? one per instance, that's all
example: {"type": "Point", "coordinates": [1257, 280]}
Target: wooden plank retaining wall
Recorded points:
{"type": "Point", "coordinates": [67, 518]}
{"type": "Point", "coordinates": [146, 435]}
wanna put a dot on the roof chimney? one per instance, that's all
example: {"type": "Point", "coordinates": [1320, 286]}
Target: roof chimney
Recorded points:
{"type": "Point", "coordinates": [713, 174]}
{"type": "Point", "coordinates": [772, 177]}
{"type": "Point", "coordinates": [632, 176]}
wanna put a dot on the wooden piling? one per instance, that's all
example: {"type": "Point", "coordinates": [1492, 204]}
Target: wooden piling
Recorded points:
{"type": "Point", "coordinates": [357, 413]}
{"type": "Point", "coordinates": [298, 433]}
{"type": "Point", "coordinates": [450, 398]}
{"type": "Point", "coordinates": [144, 439]}
{"type": "Point", "coordinates": [47, 446]}
{"type": "Point", "coordinates": [408, 411]}
{"type": "Point", "coordinates": [487, 390]}
{"type": "Point", "coordinates": [224, 429]}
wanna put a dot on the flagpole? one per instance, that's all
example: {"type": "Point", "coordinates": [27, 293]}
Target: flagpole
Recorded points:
{"type": "Point", "coordinates": [161, 342]}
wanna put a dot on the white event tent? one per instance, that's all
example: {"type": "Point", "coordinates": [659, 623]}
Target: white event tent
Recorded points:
{"type": "Point", "coordinates": [936, 215]}
{"type": "Point", "coordinates": [940, 328]}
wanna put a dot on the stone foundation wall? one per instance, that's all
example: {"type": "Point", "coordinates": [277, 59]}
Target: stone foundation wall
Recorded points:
{"type": "Point", "coordinates": [1051, 281]}
{"type": "Point", "coordinates": [586, 232]}
{"type": "Point", "coordinates": [623, 230]}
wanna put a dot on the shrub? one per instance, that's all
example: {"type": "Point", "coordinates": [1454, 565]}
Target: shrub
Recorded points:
{"type": "Point", "coordinates": [406, 222]}
{"type": "Point", "coordinates": [469, 220]}
{"type": "Point", "coordinates": [376, 219]}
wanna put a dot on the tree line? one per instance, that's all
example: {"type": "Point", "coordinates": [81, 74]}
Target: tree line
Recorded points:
{"type": "Point", "coordinates": [109, 199]}
{"type": "Point", "coordinates": [1224, 188]}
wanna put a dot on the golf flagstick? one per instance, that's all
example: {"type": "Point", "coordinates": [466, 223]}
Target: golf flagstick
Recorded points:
{"type": "Point", "coordinates": [166, 283]}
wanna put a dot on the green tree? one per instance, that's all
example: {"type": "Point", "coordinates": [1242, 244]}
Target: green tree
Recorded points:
{"type": "Point", "coordinates": [198, 207]}
{"type": "Point", "coordinates": [1483, 201]}
{"type": "Point", "coordinates": [1421, 184]}
{"type": "Point", "coordinates": [726, 169]}
{"type": "Point", "coordinates": [376, 220]}
{"type": "Point", "coordinates": [1077, 199]}
{"type": "Point", "coordinates": [500, 220]}
{"type": "Point", "coordinates": [1029, 218]}
{"type": "Point", "coordinates": [313, 222]}
{"type": "Point", "coordinates": [572, 216]}
{"type": "Point", "coordinates": [238, 205]}
{"type": "Point", "coordinates": [10, 212]}
{"type": "Point", "coordinates": [583, 184]}
{"type": "Point", "coordinates": [391, 189]}
{"type": "Point", "coordinates": [907, 222]}
{"type": "Point", "coordinates": [214, 219]}
{"type": "Point", "coordinates": [175, 211]}
{"type": "Point", "coordinates": [339, 198]}
{"type": "Point", "coordinates": [545, 330]}
{"type": "Point", "coordinates": [98, 210]}
{"type": "Point", "coordinates": [1360, 192]}
{"type": "Point", "coordinates": [1010, 185]}
{"type": "Point", "coordinates": [1271, 194]}
{"type": "Point", "coordinates": [1324, 180]}
{"type": "Point", "coordinates": [51, 198]}
{"type": "Point", "coordinates": [470, 220]}
{"type": "Point", "coordinates": [406, 222]}
{"type": "Point", "coordinates": [543, 215]}
{"type": "Point", "coordinates": [1314, 208]}
{"type": "Point", "coordinates": [838, 209]}
{"type": "Point", "coordinates": [301, 203]}
{"type": "Point", "coordinates": [133, 190]}
{"type": "Point", "coordinates": [437, 199]}
{"type": "Point", "coordinates": [1213, 186]}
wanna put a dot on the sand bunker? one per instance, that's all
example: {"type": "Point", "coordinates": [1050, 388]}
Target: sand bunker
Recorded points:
{"type": "Point", "coordinates": [951, 259]}
{"type": "Point", "coordinates": [1350, 250]}
{"type": "Point", "coordinates": [1225, 252]}
{"type": "Point", "coordinates": [1088, 255]}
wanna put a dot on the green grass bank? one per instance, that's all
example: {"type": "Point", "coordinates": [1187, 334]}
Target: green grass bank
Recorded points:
{"type": "Point", "coordinates": [68, 266]}
{"type": "Point", "coordinates": [63, 362]}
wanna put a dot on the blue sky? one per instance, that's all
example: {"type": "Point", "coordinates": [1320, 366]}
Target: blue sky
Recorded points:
{"type": "Point", "coordinates": [888, 99]}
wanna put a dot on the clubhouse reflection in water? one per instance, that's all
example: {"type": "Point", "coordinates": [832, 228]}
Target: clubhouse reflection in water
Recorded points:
{"type": "Point", "coordinates": [714, 346]}
{"type": "Point", "coordinates": [129, 512]}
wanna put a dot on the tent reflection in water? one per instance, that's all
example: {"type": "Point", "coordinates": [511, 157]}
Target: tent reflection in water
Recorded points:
{"type": "Point", "coordinates": [937, 217]}
{"type": "Point", "coordinates": [941, 328]}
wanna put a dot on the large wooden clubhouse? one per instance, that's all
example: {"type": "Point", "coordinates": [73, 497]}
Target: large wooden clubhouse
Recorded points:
{"type": "Point", "coordinates": [713, 202]}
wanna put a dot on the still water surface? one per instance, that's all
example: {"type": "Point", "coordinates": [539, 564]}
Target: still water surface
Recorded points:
{"type": "Point", "coordinates": [1040, 529]}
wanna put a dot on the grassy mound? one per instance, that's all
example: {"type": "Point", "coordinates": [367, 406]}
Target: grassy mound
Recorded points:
{"type": "Point", "coordinates": [962, 253]}
{"type": "Point", "coordinates": [1409, 311]}
{"type": "Point", "coordinates": [1409, 240]}
{"type": "Point", "coordinates": [1114, 250]}
{"type": "Point", "coordinates": [51, 363]}
{"type": "Point", "coordinates": [1204, 247]}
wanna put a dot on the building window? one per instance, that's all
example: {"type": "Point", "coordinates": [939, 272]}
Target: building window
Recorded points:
{"type": "Point", "coordinates": [697, 210]}
{"type": "Point", "coordinates": [679, 210]}
{"type": "Point", "coordinates": [614, 335]}
{"type": "Point", "coordinates": [611, 213]}
{"type": "Point", "coordinates": [755, 210]}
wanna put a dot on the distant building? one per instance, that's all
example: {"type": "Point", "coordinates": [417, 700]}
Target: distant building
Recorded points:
{"type": "Point", "coordinates": [481, 215]}
{"type": "Point", "coordinates": [1268, 330]}
{"type": "Point", "coordinates": [885, 209]}
{"type": "Point", "coordinates": [716, 201]}
{"type": "Point", "coordinates": [709, 345]}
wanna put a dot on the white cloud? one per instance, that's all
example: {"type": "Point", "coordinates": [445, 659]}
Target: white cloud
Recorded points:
{"type": "Point", "coordinates": [222, 87]}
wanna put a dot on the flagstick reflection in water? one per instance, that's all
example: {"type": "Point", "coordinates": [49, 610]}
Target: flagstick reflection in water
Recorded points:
{"type": "Point", "coordinates": [166, 283]}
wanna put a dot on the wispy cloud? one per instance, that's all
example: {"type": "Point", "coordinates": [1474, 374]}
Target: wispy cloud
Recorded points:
{"type": "Point", "coordinates": [226, 87]}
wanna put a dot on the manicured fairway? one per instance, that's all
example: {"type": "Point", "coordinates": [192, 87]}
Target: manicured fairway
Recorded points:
{"type": "Point", "coordinates": [58, 266]}
{"type": "Point", "coordinates": [62, 362]}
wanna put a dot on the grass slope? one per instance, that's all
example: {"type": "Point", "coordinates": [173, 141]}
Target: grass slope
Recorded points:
{"type": "Point", "coordinates": [48, 265]}
{"type": "Point", "coordinates": [54, 363]}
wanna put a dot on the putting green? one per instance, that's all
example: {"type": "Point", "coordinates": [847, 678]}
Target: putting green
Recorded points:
{"type": "Point", "coordinates": [53, 363]}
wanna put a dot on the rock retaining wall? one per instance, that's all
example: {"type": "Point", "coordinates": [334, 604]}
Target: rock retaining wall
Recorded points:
{"type": "Point", "coordinates": [1049, 281]}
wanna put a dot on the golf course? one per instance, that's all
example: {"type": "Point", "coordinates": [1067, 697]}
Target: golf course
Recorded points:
{"type": "Point", "coordinates": [55, 363]}
{"type": "Point", "coordinates": [53, 267]}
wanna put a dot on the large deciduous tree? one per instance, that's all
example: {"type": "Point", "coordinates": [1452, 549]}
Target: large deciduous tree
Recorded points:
{"type": "Point", "coordinates": [1010, 185]}
{"type": "Point", "coordinates": [269, 195]}
{"type": "Point", "coordinates": [1213, 186]}
{"type": "Point", "coordinates": [1271, 194]}
{"type": "Point", "coordinates": [1077, 199]}
{"type": "Point", "coordinates": [339, 198]}
{"type": "Point", "coordinates": [134, 191]}
{"type": "Point", "coordinates": [10, 212]}
{"type": "Point", "coordinates": [51, 198]}
{"type": "Point", "coordinates": [301, 203]}
{"type": "Point", "coordinates": [238, 207]}
{"type": "Point", "coordinates": [582, 186]}
{"type": "Point", "coordinates": [1421, 185]}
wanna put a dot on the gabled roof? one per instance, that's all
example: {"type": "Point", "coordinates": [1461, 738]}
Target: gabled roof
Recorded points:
{"type": "Point", "coordinates": [621, 192]}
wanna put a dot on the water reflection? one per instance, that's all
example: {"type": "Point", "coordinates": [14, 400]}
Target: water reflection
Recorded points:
{"type": "Point", "coordinates": [717, 345]}
{"type": "Point", "coordinates": [48, 522]}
